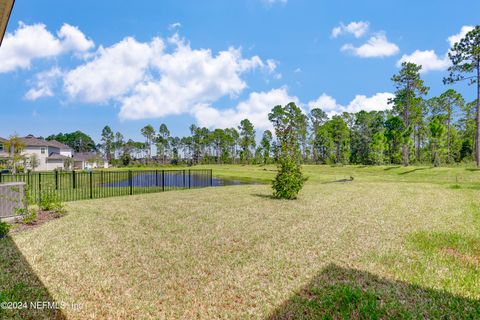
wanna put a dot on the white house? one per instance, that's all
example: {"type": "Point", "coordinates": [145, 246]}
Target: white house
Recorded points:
{"type": "Point", "coordinates": [88, 161]}
{"type": "Point", "coordinates": [52, 155]}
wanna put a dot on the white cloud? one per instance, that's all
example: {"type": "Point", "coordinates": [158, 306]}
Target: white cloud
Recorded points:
{"type": "Point", "coordinates": [271, 65]}
{"type": "Point", "coordinates": [358, 29]}
{"type": "Point", "coordinates": [73, 39]}
{"type": "Point", "coordinates": [377, 102]}
{"type": "Point", "coordinates": [174, 26]}
{"type": "Point", "coordinates": [324, 102]}
{"type": "Point", "coordinates": [459, 36]}
{"type": "Point", "coordinates": [376, 46]}
{"type": "Point", "coordinates": [146, 79]}
{"type": "Point", "coordinates": [428, 59]}
{"type": "Point", "coordinates": [255, 108]}
{"type": "Point", "coordinates": [44, 82]}
{"type": "Point", "coordinates": [274, 2]}
{"type": "Point", "coordinates": [187, 78]}
{"type": "Point", "coordinates": [297, 70]}
{"type": "Point", "coordinates": [30, 42]}
{"type": "Point", "coordinates": [112, 72]}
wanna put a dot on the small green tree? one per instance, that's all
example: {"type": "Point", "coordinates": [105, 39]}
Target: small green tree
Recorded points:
{"type": "Point", "coordinates": [149, 133]}
{"type": "Point", "coordinates": [437, 131]}
{"type": "Point", "coordinates": [377, 148]}
{"type": "Point", "coordinates": [247, 140]}
{"type": "Point", "coordinates": [33, 161]}
{"type": "Point", "coordinates": [15, 147]}
{"type": "Point", "coordinates": [108, 142]}
{"type": "Point", "coordinates": [289, 179]}
{"type": "Point", "coordinates": [67, 164]}
{"type": "Point", "coordinates": [266, 145]}
{"type": "Point", "coordinates": [289, 123]}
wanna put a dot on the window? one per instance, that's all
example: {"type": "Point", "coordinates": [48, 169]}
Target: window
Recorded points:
{"type": "Point", "coordinates": [42, 150]}
{"type": "Point", "coordinates": [1, 147]}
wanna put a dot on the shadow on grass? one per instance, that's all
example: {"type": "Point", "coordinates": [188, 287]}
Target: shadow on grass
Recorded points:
{"type": "Point", "coordinates": [262, 195]}
{"type": "Point", "coordinates": [19, 283]}
{"type": "Point", "coordinates": [340, 293]}
{"type": "Point", "coordinates": [472, 169]}
{"type": "Point", "coordinates": [413, 170]}
{"type": "Point", "coordinates": [391, 168]}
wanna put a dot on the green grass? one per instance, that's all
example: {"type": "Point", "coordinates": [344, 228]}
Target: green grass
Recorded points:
{"type": "Point", "coordinates": [394, 243]}
{"type": "Point", "coordinates": [462, 176]}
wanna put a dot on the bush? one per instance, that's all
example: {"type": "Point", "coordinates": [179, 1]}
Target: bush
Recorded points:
{"type": "Point", "coordinates": [51, 202]}
{"type": "Point", "coordinates": [29, 215]}
{"type": "Point", "coordinates": [4, 229]}
{"type": "Point", "coordinates": [289, 180]}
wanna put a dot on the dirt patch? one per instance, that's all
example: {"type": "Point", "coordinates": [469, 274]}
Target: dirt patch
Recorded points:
{"type": "Point", "coordinates": [42, 217]}
{"type": "Point", "coordinates": [465, 258]}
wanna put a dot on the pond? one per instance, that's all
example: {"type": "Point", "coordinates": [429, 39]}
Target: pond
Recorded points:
{"type": "Point", "coordinates": [221, 182]}
{"type": "Point", "coordinates": [176, 179]}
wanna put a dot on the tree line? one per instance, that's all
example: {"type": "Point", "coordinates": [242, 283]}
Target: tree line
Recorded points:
{"type": "Point", "coordinates": [440, 130]}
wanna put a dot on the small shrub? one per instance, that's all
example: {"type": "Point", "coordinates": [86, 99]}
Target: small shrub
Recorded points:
{"type": "Point", "coordinates": [4, 229]}
{"type": "Point", "coordinates": [58, 209]}
{"type": "Point", "coordinates": [289, 180]}
{"type": "Point", "coordinates": [30, 215]}
{"type": "Point", "coordinates": [51, 202]}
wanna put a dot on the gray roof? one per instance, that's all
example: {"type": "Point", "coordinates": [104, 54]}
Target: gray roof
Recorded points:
{"type": "Point", "coordinates": [55, 143]}
{"type": "Point", "coordinates": [31, 141]}
{"type": "Point", "coordinates": [86, 156]}
{"type": "Point", "coordinates": [57, 156]}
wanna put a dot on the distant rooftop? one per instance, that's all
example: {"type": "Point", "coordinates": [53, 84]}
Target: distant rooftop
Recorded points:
{"type": "Point", "coordinates": [86, 156]}
{"type": "Point", "coordinates": [32, 141]}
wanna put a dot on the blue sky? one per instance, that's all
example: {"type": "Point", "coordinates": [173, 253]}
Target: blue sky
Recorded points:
{"type": "Point", "coordinates": [66, 67]}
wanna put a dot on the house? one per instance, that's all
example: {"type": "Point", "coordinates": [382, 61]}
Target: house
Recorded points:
{"type": "Point", "coordinates": [88, 161]}
{"type": "Point", "coordinates": [53, 155]}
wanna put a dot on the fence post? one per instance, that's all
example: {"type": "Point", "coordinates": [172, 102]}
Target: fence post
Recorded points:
{"type": "Point", "coordinates": [163, 180]}
{"type": "Point", "coordinates": [189, 179]}
{"type": "Point", "coordinates": [39, 187]}
{"type": "Point", "coordinates": [211, 178]}
{"type": "Point", "coordinates": [184, 179]}
{"type": "Point", "coordinates": [74, 180]}
{"type": "Point", "coordinates": [91, 184]}
{"type": "Point", "coordinates": [156, 178]}
{"type": "Point", "coordinates": [56, 180]}
{"type": "Point", "coordinates": [130, 181]}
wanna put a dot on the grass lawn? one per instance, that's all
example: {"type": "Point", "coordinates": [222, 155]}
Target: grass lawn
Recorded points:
{"type": "Point", "coordinates": [394, 243]}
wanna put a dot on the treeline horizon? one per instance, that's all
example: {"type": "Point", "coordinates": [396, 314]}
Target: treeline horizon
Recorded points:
{"type": "Point", "coordinates": [444, 135]}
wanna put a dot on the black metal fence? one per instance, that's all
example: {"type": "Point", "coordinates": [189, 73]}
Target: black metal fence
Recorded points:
{"type": "Point", "coordinates": [71, 186]}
